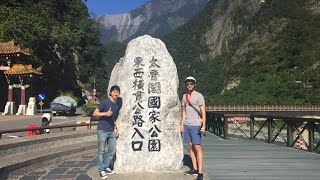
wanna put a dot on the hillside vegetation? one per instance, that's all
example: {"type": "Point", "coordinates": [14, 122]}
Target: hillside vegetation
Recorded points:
{"type": "Point", "coordinates": [240, 52]}
{"type": "Point", "coordinates": [268, 56]}
{"type": "Point", "coordinates": [62, 38]}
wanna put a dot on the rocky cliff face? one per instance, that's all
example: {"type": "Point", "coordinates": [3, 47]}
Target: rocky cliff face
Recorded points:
{"type": "Point", "coordinates": [198, 45]}
{"type": "Point", "coordinates": [225, 24]}
{"type": "Point", "coordinates": [156, 18]}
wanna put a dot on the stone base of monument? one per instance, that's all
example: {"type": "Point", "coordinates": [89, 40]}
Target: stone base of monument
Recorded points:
{"type": "Point", "coordinates": [168, 175]}
{"type": "Point", "coordinates": [10, 108]}
{"type": "Point", "coordinates": [22, 110]}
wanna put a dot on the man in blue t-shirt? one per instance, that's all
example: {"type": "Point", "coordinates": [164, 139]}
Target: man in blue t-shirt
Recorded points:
{"type": "Point", "coordinates": [107, 130]}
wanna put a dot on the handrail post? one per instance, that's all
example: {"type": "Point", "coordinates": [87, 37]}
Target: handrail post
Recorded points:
{"type": "Point", "coordinates": [289, 133]}
{"type": "Point", "coordinates": [219, 126]}
{"type": "Point", "coordinates": [311, 126]}
{"type": "Point", "coordinates": [251, 127]}
{"type": "Point", "coordinates": [270, 130]}
{"type": "Point", "coordinates": [225, 128]}
{"type": "Point", "coordinates": [90, 123]}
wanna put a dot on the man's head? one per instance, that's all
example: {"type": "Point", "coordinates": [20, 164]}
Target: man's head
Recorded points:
{"type": "Point", "coordinates": [114, 92]}
{"type": "Point", "coordinates": [190, 83]}
{"type": "Point", "coordinates": [190, 79]}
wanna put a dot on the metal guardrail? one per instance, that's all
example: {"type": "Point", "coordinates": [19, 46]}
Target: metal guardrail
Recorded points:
{"type": "Point", "coordinates": [217, 108]}
{"type": "Point", "coordinates": [61, 126]}
{"type": "Point", "coordinates": [290, 129]}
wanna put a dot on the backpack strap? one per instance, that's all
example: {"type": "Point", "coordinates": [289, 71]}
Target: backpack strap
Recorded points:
{"type": "Point", "coordinates": [188, 102]}
{"type": "Point", "coordinates": [187, 98]}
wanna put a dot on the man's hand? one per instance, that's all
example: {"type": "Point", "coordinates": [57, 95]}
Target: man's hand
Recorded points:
{"type": "Point", "coordinates": [109, 112]}
{"type": "Point", "coordinates": [181, 128]}
{"type": "Point", "coordinates": [203, 130]}
{"type": "Point", "coordinates": [116, 132]}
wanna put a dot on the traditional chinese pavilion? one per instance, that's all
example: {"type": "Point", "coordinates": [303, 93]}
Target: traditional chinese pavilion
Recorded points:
{"type": "Point", "coordinates": [23, 75]}
{"type": "Point", "coordinates": [9, 53]}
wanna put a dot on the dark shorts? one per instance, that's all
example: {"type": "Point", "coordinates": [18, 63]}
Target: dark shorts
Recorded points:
{"type": "Point", "coordinates": [192, 134]}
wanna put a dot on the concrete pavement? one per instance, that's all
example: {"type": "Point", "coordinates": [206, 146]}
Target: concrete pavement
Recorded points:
{"type": "Point", "coordinates": [84, 168]}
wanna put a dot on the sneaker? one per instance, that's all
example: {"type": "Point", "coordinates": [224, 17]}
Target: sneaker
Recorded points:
{"type": "Point", "coordinates": [109, 171]}
{"type": "Point", "coordinates": [191, 172]}
{"type": "Point", "coordinates": [200, 177]}
{"type": "Point", "coordinates": [103, 175]}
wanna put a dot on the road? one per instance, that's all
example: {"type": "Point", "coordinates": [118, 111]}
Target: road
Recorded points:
{"type": "Point", "coordinates": [14, 122]}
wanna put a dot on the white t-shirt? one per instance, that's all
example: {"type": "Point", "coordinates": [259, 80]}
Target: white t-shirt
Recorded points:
{"type": "Point", "coordinates": [192, 117]}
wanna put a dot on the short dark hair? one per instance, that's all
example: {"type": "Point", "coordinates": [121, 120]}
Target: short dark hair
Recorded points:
{"type": "Point", "coordinates": [115, 88]}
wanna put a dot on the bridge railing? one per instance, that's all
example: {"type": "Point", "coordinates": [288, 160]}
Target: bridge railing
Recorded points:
{"type": "Point", "coordinates": [219, 108]}
{"type": "Point", "coordinates": [60, 126]}
{"type": "Point", "coordinates": [296, 132]}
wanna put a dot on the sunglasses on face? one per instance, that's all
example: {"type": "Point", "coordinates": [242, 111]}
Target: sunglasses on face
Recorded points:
{"type": "Point", "coordinates": [189, 84]}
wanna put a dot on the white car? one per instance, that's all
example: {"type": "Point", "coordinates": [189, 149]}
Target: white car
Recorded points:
{"type": "Point", "coordinates": [63, 105]}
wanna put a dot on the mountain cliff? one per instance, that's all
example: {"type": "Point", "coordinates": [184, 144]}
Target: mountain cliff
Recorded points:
{"type": "Point", "coordinates": [156, 18]}
{"type": "Point", "coordinates": [252, 51]}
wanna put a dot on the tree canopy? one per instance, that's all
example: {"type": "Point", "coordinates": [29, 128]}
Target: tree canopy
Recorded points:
{"type": "Point", "coordinates": [62, 38]}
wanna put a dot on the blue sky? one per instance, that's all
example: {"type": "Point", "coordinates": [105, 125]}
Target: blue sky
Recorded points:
{"type": "Point", "coordinates": [113, 6]}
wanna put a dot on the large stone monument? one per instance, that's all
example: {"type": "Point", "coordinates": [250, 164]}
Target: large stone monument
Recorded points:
{"type": "Point", "coordinates": [149, 139]}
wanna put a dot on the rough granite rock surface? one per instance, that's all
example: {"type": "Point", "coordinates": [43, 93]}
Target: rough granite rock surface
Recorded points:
{"type": "Point", "coordinates": [148, 121]}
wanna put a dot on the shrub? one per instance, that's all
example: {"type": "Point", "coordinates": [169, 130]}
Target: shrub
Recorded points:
{"type": "Point", "coordinates": [88, 109]}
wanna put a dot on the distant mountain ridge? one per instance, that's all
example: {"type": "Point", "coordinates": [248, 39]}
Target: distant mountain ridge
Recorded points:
{"type": "Point", "coordinates": [156, 18]}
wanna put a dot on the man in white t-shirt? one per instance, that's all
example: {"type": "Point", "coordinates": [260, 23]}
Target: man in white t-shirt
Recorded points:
{"type": "Point", "coordinates": [193, 124]}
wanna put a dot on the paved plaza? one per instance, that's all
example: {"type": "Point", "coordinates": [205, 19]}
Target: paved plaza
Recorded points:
{"type": "Point", "coordinates": [84, 168]}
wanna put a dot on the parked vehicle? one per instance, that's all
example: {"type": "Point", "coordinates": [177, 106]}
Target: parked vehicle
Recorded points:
{"type": "Point", "coordinates": [63, 105]}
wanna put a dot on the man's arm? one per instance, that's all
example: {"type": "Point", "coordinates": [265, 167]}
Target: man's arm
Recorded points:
{"type": "Point", "coordinates": [99, 114]}
{"type": "Point", "coordinates": [183, 116]}
{"type": "Point", "coordinates": [204, 118]}
{"type": "Point", "coordinates": [116, 127]}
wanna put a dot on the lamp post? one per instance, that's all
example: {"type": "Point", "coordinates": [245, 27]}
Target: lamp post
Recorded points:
{"type": "Point", "coordinates": [94, 91]}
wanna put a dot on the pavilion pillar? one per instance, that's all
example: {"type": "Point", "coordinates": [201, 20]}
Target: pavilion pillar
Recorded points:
{"type": "Point", "coordinates": [22, 107]}
{"type": "Point", "coordinates": [23, 95]}
{"type": "Point", "coordinates": [10, 107]}
{"type": "Point", "coordinates": [10, 90]}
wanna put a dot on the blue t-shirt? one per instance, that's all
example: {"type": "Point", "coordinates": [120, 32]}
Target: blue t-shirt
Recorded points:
{"type": "Point", "coordinates": [107, 123]}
